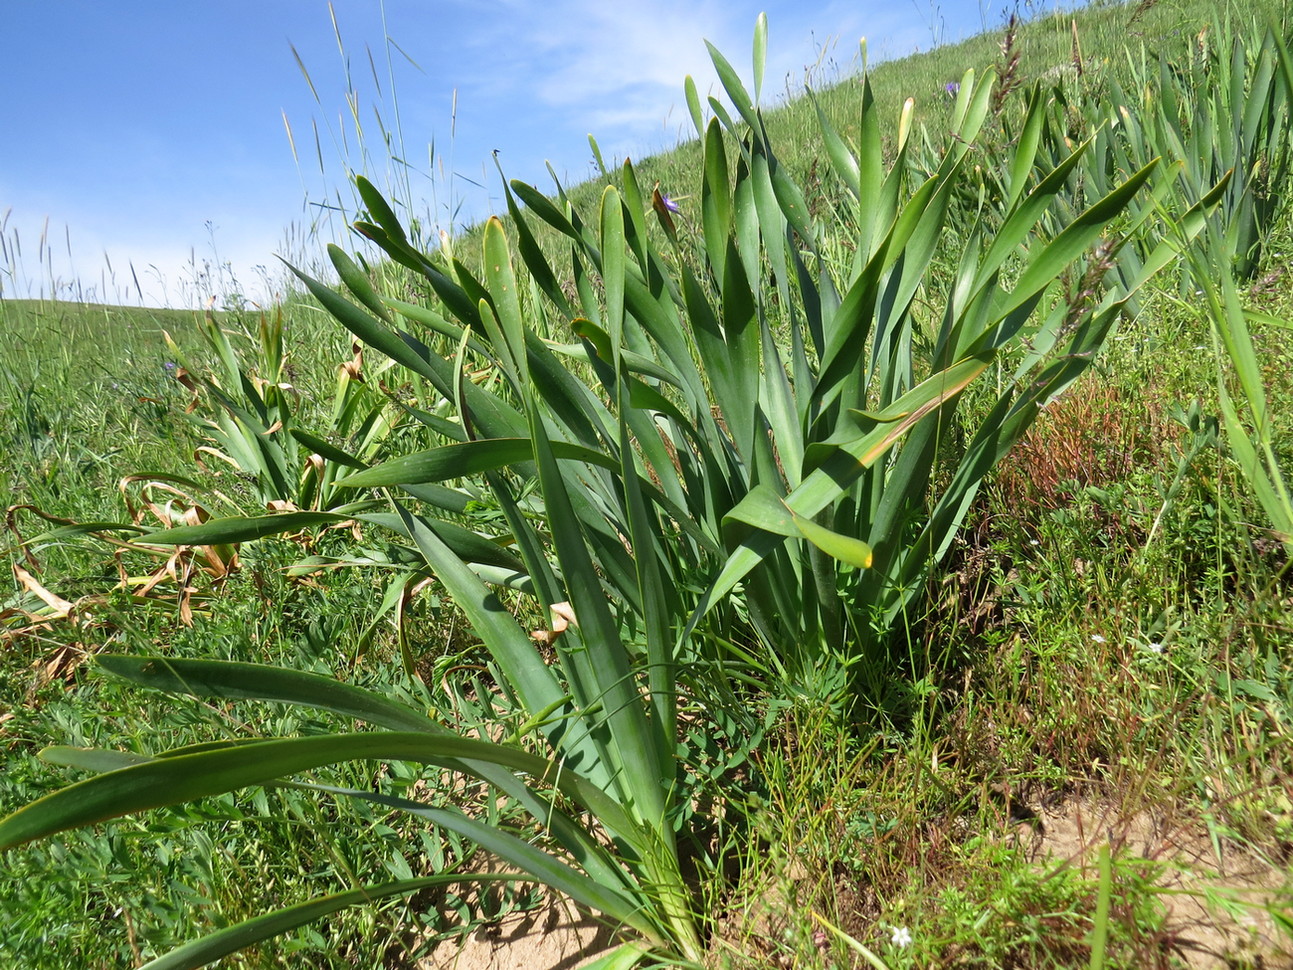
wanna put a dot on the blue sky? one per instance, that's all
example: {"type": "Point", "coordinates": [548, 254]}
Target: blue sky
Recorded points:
{"type": "Point", "coordinates": [152, 135]}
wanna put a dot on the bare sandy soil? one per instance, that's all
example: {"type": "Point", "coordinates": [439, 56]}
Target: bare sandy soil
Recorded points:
{"type": "Point", "coordinates": [1219, 908]}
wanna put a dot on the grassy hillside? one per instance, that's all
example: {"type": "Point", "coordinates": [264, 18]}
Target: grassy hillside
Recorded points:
{"type": "Point", "coordinates": [1054, 734]}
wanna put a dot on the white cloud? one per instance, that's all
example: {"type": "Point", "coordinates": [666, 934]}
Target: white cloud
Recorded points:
{"type": "Point", "coordinates": [611, 50]}
{"type": "Point", "coordinates": [618, 68]}
{"type": "Point", "coordinates": [622, 64]}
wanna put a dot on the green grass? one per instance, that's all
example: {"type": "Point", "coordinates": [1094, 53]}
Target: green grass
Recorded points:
{"type": "Point", "coordinates": [1113, 624]}
{"type": "Point", "coordinates": [86, 390]}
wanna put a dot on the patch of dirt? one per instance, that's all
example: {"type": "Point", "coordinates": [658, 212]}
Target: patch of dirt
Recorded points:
{"type": "Point", "coordinates": [1218, 898]}
{"type": "Point", "coordinates": [555, 936]}
{"type": "Point", "coordinates": [763, 916]}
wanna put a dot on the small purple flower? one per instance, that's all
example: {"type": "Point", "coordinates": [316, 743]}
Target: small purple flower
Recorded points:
{"type": "Point", "coordinates": [953, 88]}
{"type": "Point", "coordinates": [669, 203]}
{"type": "Point", "coordinates": [170, 367]}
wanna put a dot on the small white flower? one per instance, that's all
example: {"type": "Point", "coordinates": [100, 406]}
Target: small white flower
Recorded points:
{"type": "Point", "coordinates": [900, 936]}
{"type": "Point", "coordinates": [1035, 542]}
{"type": "Point", "coordinates": [1154, 647]}
{"type": "Point", "coordinates": [1096, 638]}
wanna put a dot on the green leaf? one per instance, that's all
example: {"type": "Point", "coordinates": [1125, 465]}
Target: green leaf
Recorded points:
{"type": "Point", "coordinates": [612, 900]}
{"type": "Point", "coordinates": [505, 300]}
{"type": "Point", "coordinates": [469, 546]}
{"type": "Point", "coordinates": [731, 82]}
{"type": "Point", "coordinates": [846, 549]}
{"type": "Point", "coordinates": [325, 450]}
{"type": "Point", "coordinates": [597, 154]}
{"type": "Point", "coordinates": [1050, 263]}
{"type": "Point", "coordinates": [228, 679]}
{"type": "Point", "coordinates": [837, 466]}
{"type": "Point", "coordinates": [693, 106]}
{"type": "Point", "coordinates": [613, 265]}
{"type": "Point", "coordinates": [601, 341]}
{"type": "Point", "coordinates": [1025, 153]}
{"type": "Point", "coordinates": [841, 158]}
{"type": "Point", "coordinates": [493, 416]}
{"type": "Point", "coordinates": [242, 528]}
{"type": "Point", "coordinates": [231, 939]}
{"type": "Point", "coordinates": [763, 508]}
{"type": "Point", "coordinates": [601, 671]}
{"type": "Point", "coordinates": [533, 681]}
{"type": "Point", "coordinates": [715, 199]}
{"type": "Point", "coordinates": [174, 780]}
{"type": "Point", "coordinates": [97, 760]}
{"type": "Point", "coordinates": [623, 957]}
{"type": "Point", "coordinates": [429, 318]}
{"type": "Point", "coordinates": [380, 209]}
{"type": "Point", "coordinates": [463, 459]}
{"type": "Point", "coordinates": [357, 281]}
{"type": "Point", "coordinates": [542, 206]}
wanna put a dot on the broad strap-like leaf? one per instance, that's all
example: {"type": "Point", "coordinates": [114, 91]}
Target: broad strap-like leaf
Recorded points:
{"type": "Point", "coordinates": [760, 52]}
{"type": "Point", "coordinates": [242, 528]}
{"type": "Point", "coordinates": [357, 282]}
{"type": "Point", "coordinates": [231, 939]}
{"type": "Point", "coordinates": [230, 679]}
{"type": "Point", "coordinates": [731, 82]}
{"type": "Point", "coordinates": [599, 669]}
{"type": "Point", "coordinates": [1047, 266]}
{"type": "Point", "coordinates": [464, 459]}
{"type": "Point", "coordinates": [838, 466]}
{"type": "Point", "coordinates": [182, 778]}
{"type": "Point", "coordinates": [491, 414]}
{"type": "Point", "coordinates": [693, 106]}
{"type": "Point", "coordinates": [325, 449]}
{"type": "Point", "coordinates": [612, 900]}
{"type": "Point", "coordinates": [847, 549]}
{"type": "Point", "coordinates": [505, 325]}
{"type": "Point", "coordinates": [715, 199]}
{"type": "Point", "coordinates": [764, 509]}
{"type": "Point", "coordinates": [533, 681]}
{"type": "Point", "coordinates": [623, 957]}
